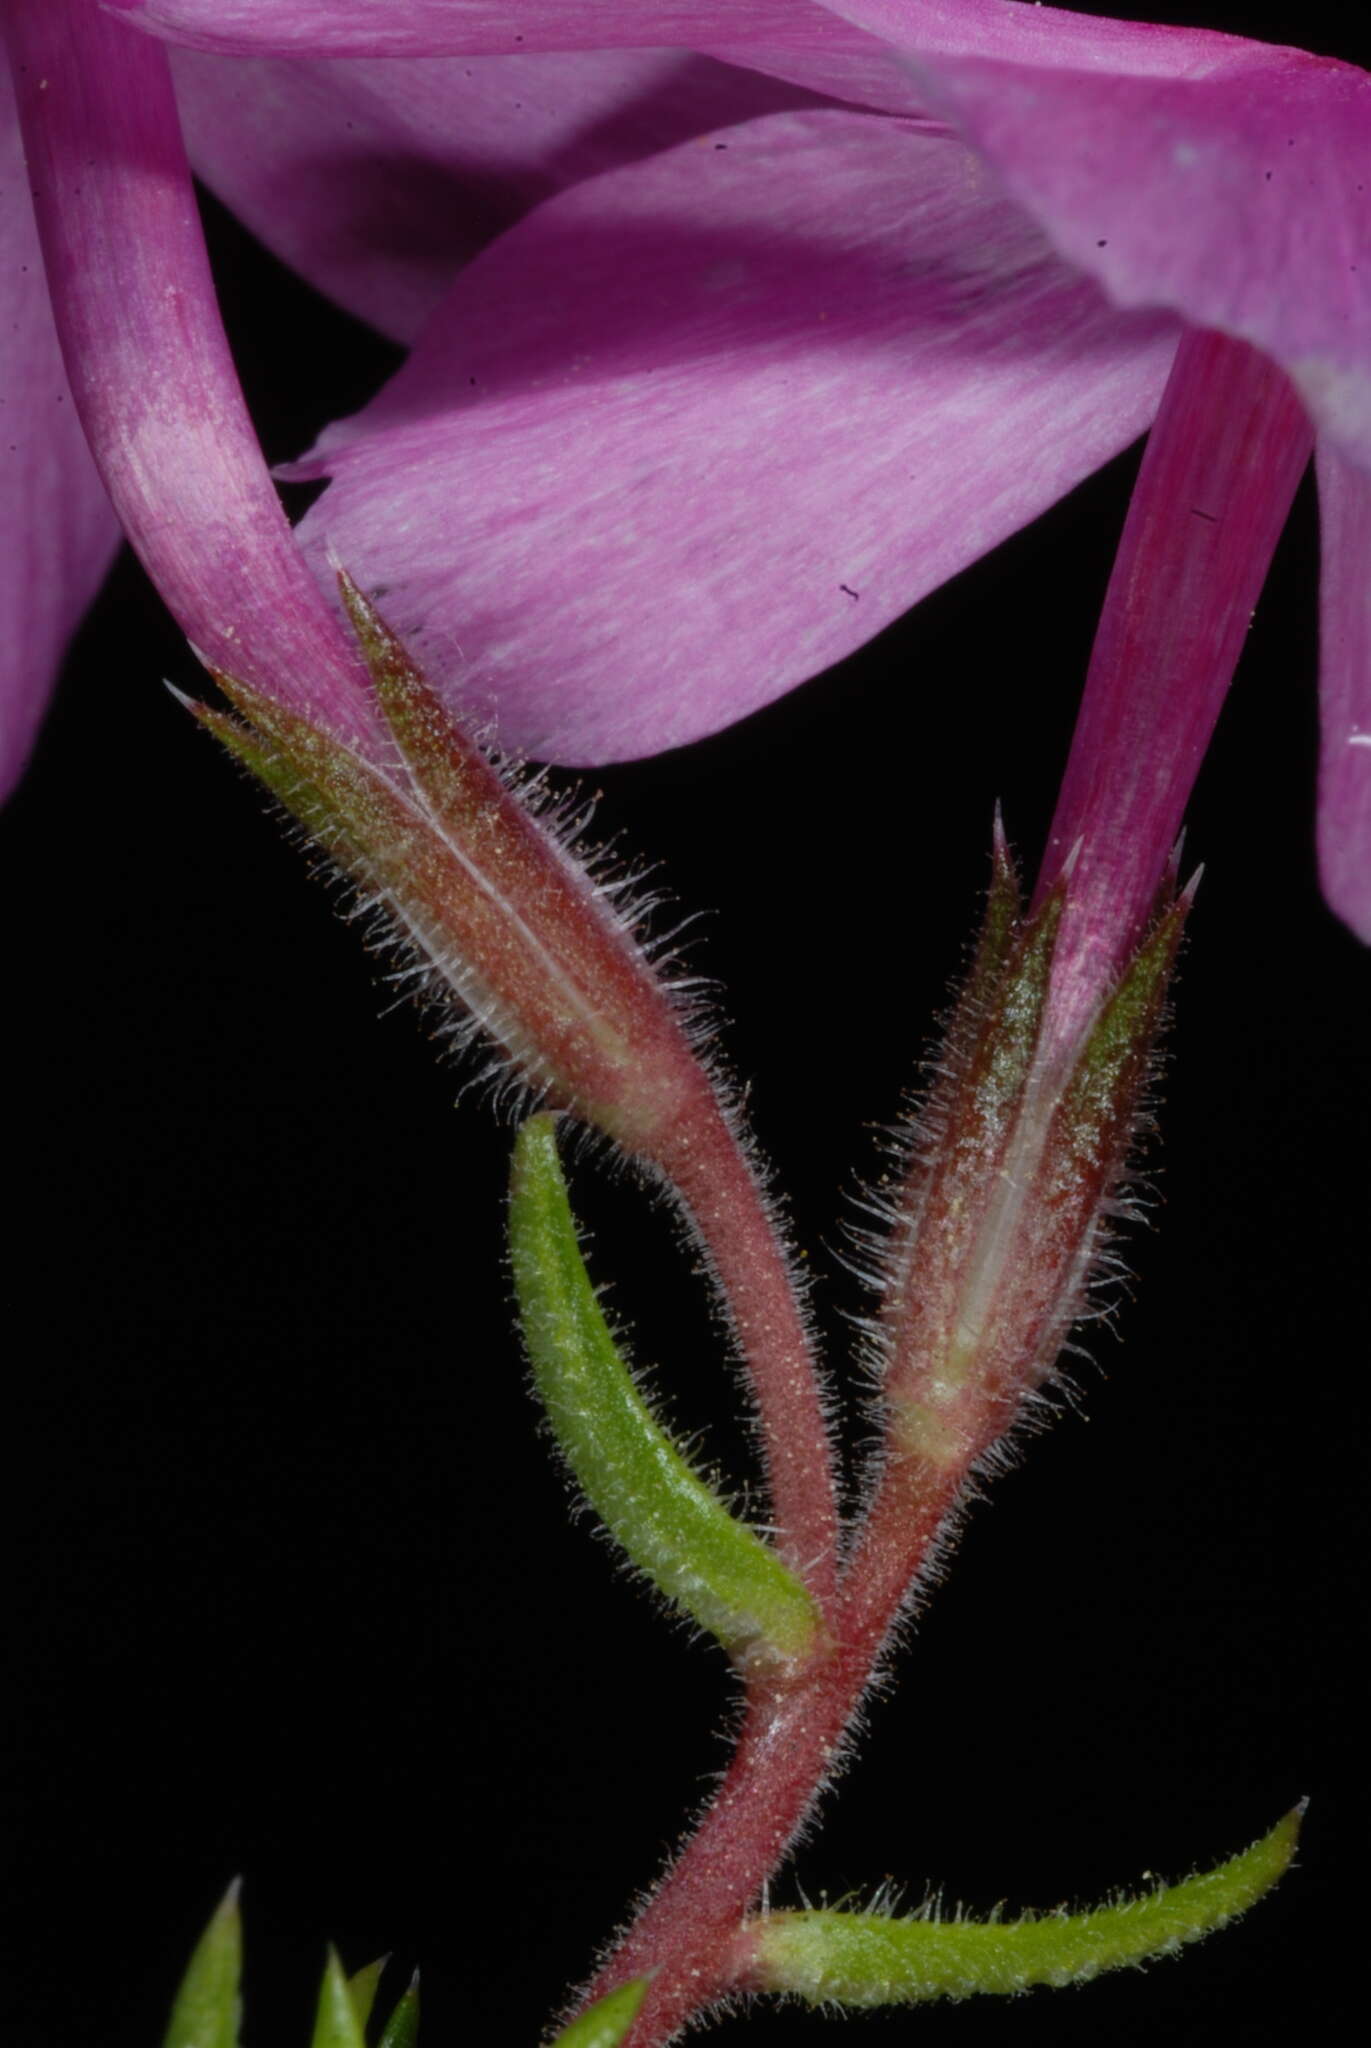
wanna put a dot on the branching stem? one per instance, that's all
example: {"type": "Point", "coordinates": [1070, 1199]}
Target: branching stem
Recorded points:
{"type": "Point", "coordinates": [793, 1734]}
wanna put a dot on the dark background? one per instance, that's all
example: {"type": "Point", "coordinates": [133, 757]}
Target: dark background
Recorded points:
{"type": "Point", "coordinates": [294, 1591]}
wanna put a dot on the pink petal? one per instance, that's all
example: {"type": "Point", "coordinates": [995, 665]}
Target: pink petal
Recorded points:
{"type": "Point", "coordinates": [697, 429]}
{"type": "Point", "coordinates": [149, 364]}
{"type": "Point", "coordinates": [377, 179]}
{"type": "Point", "coordinates": [435, 28]}
{"type": "Point", "coordinates": [1345, 662]}
{"type": "Point", "coordinates": [1047, 36]}
{"type": "Point", "coordinates": [799, 41]}
{"type": "Point", "coordinates": [57, 528]}
{"type": "Point", "coordinates": [1237, 195]}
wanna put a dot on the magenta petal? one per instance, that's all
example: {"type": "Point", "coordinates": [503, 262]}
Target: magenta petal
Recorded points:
{"type": "Point", "coordinates": [1240, 199]}
{"type": "Point", "coordinates": [1218, 476]}
{"type": "Point", "coordinates": [376, 179]}
{"type": "Point", "coordinates": [798, 41]}
{"type": "Point", "coordinates": [149, 364]}
{"type": "Point", "coordinates": [57, 528]}
{"type": "Point", "coordinates": [1029, 34]}
{"type": "Point", "coordinates": [697, 429]}
{"type": "Point", "coordinates": [1345, 663]}
{"type": "Point", "coordinates": [434, 28]}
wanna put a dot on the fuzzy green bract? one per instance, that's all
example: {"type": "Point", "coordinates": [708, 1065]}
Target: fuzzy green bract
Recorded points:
{"type": "Point", "coordinates": [868, 1959]}
{"type": "Point", "coordinates": [671, 1524]}
{"type": "Point", "coordinates": [606, 2022]}
{"type": "Point", "coordinates": [207, 2009]}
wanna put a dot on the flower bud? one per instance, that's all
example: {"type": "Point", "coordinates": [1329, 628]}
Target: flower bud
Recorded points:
{"type": "Point", "coordinates": [1001, 1219]}
{"type": "Point", "coordinates": [478, 892]}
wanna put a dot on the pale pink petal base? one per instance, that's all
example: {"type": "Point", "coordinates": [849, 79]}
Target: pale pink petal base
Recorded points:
{"type": "Point", "coordinates": [377, 180]}
{"type": "Point", "coordinates": [1345, 664]}
{"type": "Point", "coordinates": [58, 531]}
{"type": "Point", "coordinates": [697, 429]}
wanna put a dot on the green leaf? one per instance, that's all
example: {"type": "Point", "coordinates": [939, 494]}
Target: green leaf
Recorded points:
{"type": "Point", "coordinates": [672, 1525]}
{"type": "Point", "coordinates": [402, 2028]}
{"type": "Point", "coordinates": [866, 1959]}
{"type": "Point", "coordinates": [338, 2023]}
{"type": "Point", "coordinates": [362, 1988]}
{"type": "Point", "coordinates": [208, 2008]}
{"type": "Point", "coordinates": [604, 2024]}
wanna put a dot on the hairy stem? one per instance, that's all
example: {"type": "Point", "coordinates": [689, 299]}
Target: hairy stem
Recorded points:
{"type": "Point", "coordinates": [793, 1732]}
{"type": "Point", "coordinates": [726, 1207]}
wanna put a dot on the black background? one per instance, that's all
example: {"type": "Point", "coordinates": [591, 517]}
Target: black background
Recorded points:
{"type": "Point", "coordinates": [293, 1588]}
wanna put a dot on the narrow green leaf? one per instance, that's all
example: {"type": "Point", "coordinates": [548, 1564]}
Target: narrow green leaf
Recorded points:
{"type": "Point", "coordinates": [362, 1988]}
{"type": "Point", "coordinates": [402, 2028]}
{"type": "Point", "coordinates": [207, 2009]}
{"type": "Point", "coordinates": [865, 1959]}
{"type": "Point", "coordinates": [604, 2024]}
{"type": "Point", "coordinates": [337, 2023]}
{"type": "Point", "coordinates": [671, 1524]}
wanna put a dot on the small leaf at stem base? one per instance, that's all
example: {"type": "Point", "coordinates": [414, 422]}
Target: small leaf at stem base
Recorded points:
{"type": "Point", "coordinates": [402, 2028]}
{"type": "Point", "coordinates": [870, 1959]}
{"type": "Point", "coordinates": [207, 2009]}
{"type": "Point", "coordinates": [362, 1986]}
{"type": "Point", "coordinates": [340, 2019]}
{"type": "Point", "coordinates": [604, 2024]}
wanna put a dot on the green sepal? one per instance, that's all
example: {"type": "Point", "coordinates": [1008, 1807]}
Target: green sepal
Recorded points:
{"type": "Point", "coordinates": [992, 1034]}
{"type": "Point", "coordinates": [870, 1959]}
{"type": "Point", "coordinates": [1004, 1056]}
{"type": "Point", "coordinates": [362, 1986]}
{"type": "Point", "coordinates": [1100, 1099]}
{"type": "Point", "coordinates": [990, 958]}
{"type": "Point", "coordinates": [339, 799]}
{"type": "Point", "coordinates": [338, 2022]}
{"type": "Point", "coordinates": [671, 1524]}
{"type": "Point", "coordinates": [435, 751]}
{"type": "Point", "coordinates": [402, 2028]}
{"type": "Point", "coordinates": [208, 2006]}
{"type": "Point", "coordinates": [604, 2024]}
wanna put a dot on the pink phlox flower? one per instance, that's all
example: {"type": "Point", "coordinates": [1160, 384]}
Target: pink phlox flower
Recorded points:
{"type": "Point", "coordinates": [375, 177]}
{"type": "Point", "coordinates": [696, 426]}
{"type": "Point", "coordinates": [695, 429]}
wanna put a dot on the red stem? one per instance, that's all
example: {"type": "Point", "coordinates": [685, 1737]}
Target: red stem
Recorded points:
{"type": "Point", "coordinates": [724, 1202]}
{"type": "Point", "coordinates": [792, 1736]}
